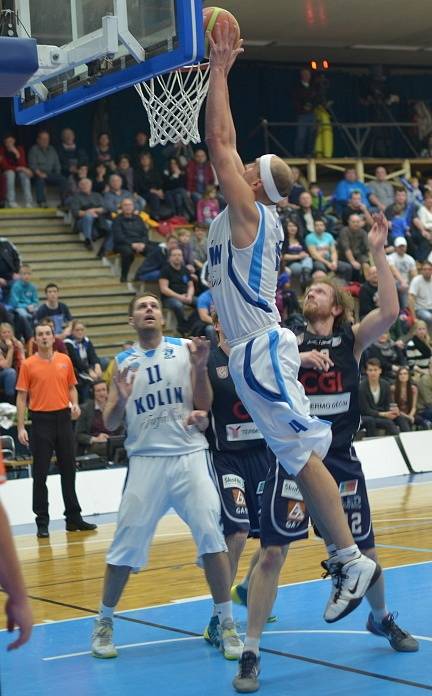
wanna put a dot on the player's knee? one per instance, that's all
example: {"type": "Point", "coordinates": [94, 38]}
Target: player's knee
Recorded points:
{"type": "Point", "coordinates": [272, 558]}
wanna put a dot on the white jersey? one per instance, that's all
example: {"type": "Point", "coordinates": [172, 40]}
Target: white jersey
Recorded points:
{"type": "Point", "coordinates": [243, 281]}
{"type": "Point", "coordinates": [161, 400]}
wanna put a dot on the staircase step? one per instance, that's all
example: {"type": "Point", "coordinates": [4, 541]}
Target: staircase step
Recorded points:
{"type": "Point", "coordinates": [45, 242]}
{"type": "Point", "coordinates": [33, 214]}
{"type": "Point", "coordinates": [73, 273]}
{"type": "Point", "coordinates": [108, 302]}
{"type": "Point", "coordinates": [46, 249]}
{"type": "Point", "coordinates": [122, 330]}
{"type": "Point", "coordinates": [40, 265]}
{"type": "Point", "coordinates": [105, 318]}
{"type": "Point", "coordinates": [104, 290]}
{"type": "Point", "coordinates": [34, 223]}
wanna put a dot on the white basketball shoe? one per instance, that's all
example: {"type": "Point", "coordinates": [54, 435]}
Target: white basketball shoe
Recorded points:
{"type": "Point", "coordinates": [350, 582]}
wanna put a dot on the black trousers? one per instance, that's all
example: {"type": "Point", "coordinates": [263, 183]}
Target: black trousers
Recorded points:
{"type": "Point", "coordinates": [52, 431]}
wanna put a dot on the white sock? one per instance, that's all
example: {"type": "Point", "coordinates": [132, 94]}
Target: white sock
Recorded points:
{"type": "Point", "coordinates": [251, 644]}
{"type": "Point", "coordinates": [348, 554]}
{"type": "Point", "coordinates": [331, 550]}
{"type": "Point", "coordinates": [223, 611]}
{"type": "Point", "coordinates": [106, 612]}
{"type": "Point", "coordinates": [380, 614]}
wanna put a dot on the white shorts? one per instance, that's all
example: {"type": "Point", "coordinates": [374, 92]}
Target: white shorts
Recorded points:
{"type": "Point", "coordinates": [264, 371]}
{"type": "Point", "coordinates": [154, 485]}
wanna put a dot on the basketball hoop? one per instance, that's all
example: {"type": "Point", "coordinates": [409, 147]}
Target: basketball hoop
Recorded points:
{"type": "Point", "coordinates": [173, 102]}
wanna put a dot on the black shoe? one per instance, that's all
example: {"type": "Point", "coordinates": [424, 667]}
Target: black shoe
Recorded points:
{"type": "Point", "coordinates": [246, 681]}
{"type": "Point", "coordinates": [42, 532]}
{"type": "Point", "coordinates": [79, 526]}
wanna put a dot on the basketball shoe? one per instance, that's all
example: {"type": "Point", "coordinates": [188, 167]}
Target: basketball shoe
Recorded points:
{"type": "Point", "coordinates": [239, 595]}
{"type": "Point", "coordinates": [224, 637]}
{"type": "Point", "coordinates": [350, 582]}
{"type": "Point", "coordinates": [102, 639]}
{"type": "Point", "coordinates": [246, 680]}
{"type": "Point", "coordinates": [400, 640]}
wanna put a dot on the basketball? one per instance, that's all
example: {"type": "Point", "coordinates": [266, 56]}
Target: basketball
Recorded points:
{"type": "Point", "coordinates": [213, 15]}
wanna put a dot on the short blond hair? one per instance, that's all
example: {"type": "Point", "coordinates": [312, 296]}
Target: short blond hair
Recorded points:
{"type": "Point", "coordinates": [282, 176]}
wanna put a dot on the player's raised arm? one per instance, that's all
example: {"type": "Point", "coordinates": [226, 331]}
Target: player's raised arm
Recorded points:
{"type": "Point", "coordinates": [379, 320]}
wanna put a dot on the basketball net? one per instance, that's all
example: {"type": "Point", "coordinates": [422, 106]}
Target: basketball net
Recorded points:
{"type": "Point", "coordinates": [173, 102]}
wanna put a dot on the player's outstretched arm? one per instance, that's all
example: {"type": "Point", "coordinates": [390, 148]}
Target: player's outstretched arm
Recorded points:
{"type": "Point", "coordinates": [380, 320]}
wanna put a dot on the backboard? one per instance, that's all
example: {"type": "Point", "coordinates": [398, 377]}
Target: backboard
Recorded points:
{"type": "Point", "coordinates": [88, 49]}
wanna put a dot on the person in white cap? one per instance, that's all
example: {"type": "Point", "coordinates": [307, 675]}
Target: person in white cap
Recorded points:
{"type": "Point", "coordinates": [244, 247]}
{"type": "Point", "coordinates": [404, 269]}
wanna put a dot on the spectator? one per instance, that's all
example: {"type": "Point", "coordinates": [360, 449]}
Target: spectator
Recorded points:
{"type": "Point", "coordinates": [205, 309]}
{"type": "Point", "coordinates": [45, 164]}
{"type": "Point", "coordinates": [295, 258]}
{"type": "Point", "coordinates": [357, 207]}
{"type": "Point", "coordinates": [208, 207]}
{"type": "Point", "coordinates": [320, 202]}
{"type": "Point", "coordinates": [412, 187]}
{"type": "Point", "coordinates": [11, 358]}
{"type": "Point", "coordinates": [418, 348]}
{"type": "Point", "coordinates": [305, 100]}
{"type": "Point", "coordinates": [91, 434]}
{"type": "Point", "coordinates": [306, 215]}
{"type": "Point", "coordinates": [107, 375]}
{"type": "Point", "coordinates": [404, 395]}
{"type": "Point", "coordinates": [322, 248]}
{"type": "Point", "coordinates": [58, 311]}
{"type": "Point", "coordinates": [349, 184]}
{"type": "Point", "coordinates": [156, 259]}
{"type": "Point", "coordinates": [148, 184]}
{"type": "Point", "coordinates": [115, 195]}
{"type": "Point", "coordinates": [73, 180]}
{"type": "Point", "coordinates": [23, 296]}
{"type": "Point", "coordinates": [376, 408]}
{"type": "Point", "coordinates": [404, 269]}
{"type": "Point", "coordinates": [70, 155]}
{"type": "Point", "coordinates": [10, 263]}
{"type": "Point", "coordinates": [100, 178]}
{"type": "Point", "coordinates": [199, 175]}
{"type": "Point", "coordinates": [140, 147]}
{"type": "Point", "coordinates": [382, 189]}
{"type": "Point", "coordinates": [299, 185]}
{"type": "Point", "coordinates": [174, 185]}
{"type": "Point", "coordinates": [368, 296]}
{"type": "Point", "coordinates": [58, 344]}
{"type": "Point", "coordinates": [130, 236]}
{"type": "Point", "coordinates": [125, 170]}
{"type": "Point", "coordinates": [13, 165]}
{"type": "Point", "coordinates": [185, 246]}
{"type": "Point", "coordinates": [103, 152]}
{"type": "Point", "coordinates": [422, 236]}
{"type": "Point", "coordinates": [420, 294]}
{"type": "Point", "coordinates": [84, 359]}
{"type": "Point", "coordinates": [88, 208]}
{"type": "Point", "coordinates": [199, 246]}
{"type": "Point", "coordinates": [288, 304]}
{"type": "Point", "coordinates": [424, 386]}
{"type": "Point", "coordinates": [177, 289]}
{"type": "Point", "coordinates": [400, 215]}
{"type": "Point", "coordinates": [391, 355]}
{"type": "Point", "coordinates": [353, 247]}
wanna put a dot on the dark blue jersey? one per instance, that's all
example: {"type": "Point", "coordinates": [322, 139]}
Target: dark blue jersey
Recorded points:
{"type": "Point", "coordinates": [334, 395]}
{"type": "Point", "coordinates": [231, 427]}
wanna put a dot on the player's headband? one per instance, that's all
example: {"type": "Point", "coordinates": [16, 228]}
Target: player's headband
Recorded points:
{"type": "Point", "coordinates": [267, 178]}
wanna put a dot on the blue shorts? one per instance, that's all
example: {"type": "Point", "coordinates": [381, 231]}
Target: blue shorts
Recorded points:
{"type": "Point", "coordinates": [284, 518]}
{"type": "Point", "coordinates": [239, 478]}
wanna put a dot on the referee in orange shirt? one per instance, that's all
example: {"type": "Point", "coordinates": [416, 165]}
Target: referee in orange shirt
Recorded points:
{"type": "Point", "coordinates": [47, 379]}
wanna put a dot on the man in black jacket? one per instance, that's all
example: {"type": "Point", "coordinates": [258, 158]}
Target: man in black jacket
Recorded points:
{"type": "Point", "coordinates": [368, 296]}
{"type": "Point", "coordinates": [87, 207]}
{"type": "Point", "coordinates": [156, 259]}
{"type": "Point", "coordinates": [130, 236]}
{"type": "Point", "coordinates": [376, 408]}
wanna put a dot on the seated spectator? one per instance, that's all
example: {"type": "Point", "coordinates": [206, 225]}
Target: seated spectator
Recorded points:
{"type": "Point", "coordinates": [130, 237]}
{"type": "Point", "coordinates": [424, 386]}
{"type": "Point", "coordinates": [70, 155]}
{"type": "Point", "coordinates": [294, 256]}
{"type": "Point", "coordinates": [140, 147]}
{"type": "Point", "coordinates": [382, 189]}
{"type": "Point", "coordinates": [23, 297]}
{"type": "Point", "coordinates": [208, 206]}
{"type": "Point", "coordinates": [59, 312]}
{"type": "Point", "coordinates": [422, 236]}
{"type": "Point", "coordinates": [368, 296]}
{"type": "Point", "coordinates": [391, 355]}
{"type": "Point", "coordinates": [125, 170]}
{"type": "Point", "coordinates": [322, 248]}
{"type": "Point", "coordinates": [177, 289]}
{"type": "Point", "coordinates": [376, 408]}
{"type": "Point", "coordinates": [404, 269]}
{"type": "Point", "coordinates": [13, 165]}
{"type": "Point", "coordinates": [88, 209]}
{"type": "Point", "coordinates": [11, 357]}
{"type": "Point", "coordinates": [353, 247]}
{"type": "Point", "coordinates": [58, 344]}
{"type": "Point", "coordinates": [185, 246]}
{"type": "Point", "coordinates": [115, 195]}
{"type": "Point", "coordinates": [299, 185]}
{"type": "Point", "coordinates": [420, 294]}
{"type": "Point", "coordinates": [156, 259]}
{"type": "Point", "coordinates": [73, 180]}
{"type": "Point", "coordinates": [100, 178]}
{"type": "Point", "coordinates": [404, 394]}
{"type": "Point", "coordinates": [91, 434]}
{"type": "Point", "coordinates": [355, 206]}
{"type": "Point", "coordinates": [205, 309]}
{"type": "Point", "coordinates": [107, 374]}
{"type": "Point", "coordinates": [305, 216]}
{"type": "Point", "coordinates": [45, 164]}
{"type": "Point", "coordinates": [320, 202]}
{"type": "Point", "coordinates": [10, 263]}
{"type": "Point", "coordinates": [412, 187]}
{"type": "Point", "coordinates": [176, 196]}
{"type": "Point", "coordinates": [418, 348]}
{"type": "Point", "coordinates": [104, 153]}
{"type": "Point", "coordinates": [84, 359]}
{"type": "Point", "coordinates": [401, 216]}
{"type": "Point", "coordinates": [199, 246]}
{"type": "Point", "coordinates": [199, 175]}
{"type": "Point", "coordinates": [148, 184]}
{"type": "Point", "coordinates": [349, 184]}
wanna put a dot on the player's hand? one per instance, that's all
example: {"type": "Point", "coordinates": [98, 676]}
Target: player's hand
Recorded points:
{"type": "Point", "coordinates": [378, 233]}
{"type": "Point", "coordinates": [221, 41]}
{"type": "Point", "coordinates": [316, 360]}
{"type": "Point", "coordinates": [18, 615]}
{"type": "Point", "coordinates": [199, 349]}
{"type": "Point", "coordinates": [199, 419]}
{"type": "Point", "coordinates": [23, 436]}
{"type": "Point", "coordinates": [124, 379]}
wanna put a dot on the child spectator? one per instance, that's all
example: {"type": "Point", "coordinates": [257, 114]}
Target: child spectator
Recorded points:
{"type": "Point", "coordinates": [23, 296]}
{"type": "Point", "coordinates": [184, 242]}
{"type": "Point", "coordinates": [208, 206]}
{"type": "Point", "coordinates": [199, 246]}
